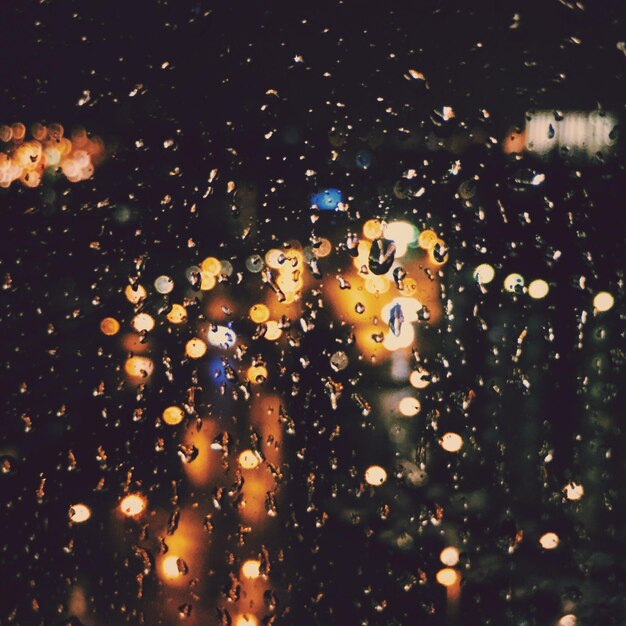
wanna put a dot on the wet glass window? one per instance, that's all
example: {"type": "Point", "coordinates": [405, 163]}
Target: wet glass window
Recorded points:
{"type": "Point", "coordinates": [312, 315]}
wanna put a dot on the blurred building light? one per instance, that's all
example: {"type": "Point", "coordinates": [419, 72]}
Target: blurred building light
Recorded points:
{"type": "Point", "coordinates": [449, 556]}
{"type": "Point", "coordinates": [549, 541]}
{"type": "Point", "coordinates": [79, 513]}
{"type": "Point", "coordinates": [375, 475]}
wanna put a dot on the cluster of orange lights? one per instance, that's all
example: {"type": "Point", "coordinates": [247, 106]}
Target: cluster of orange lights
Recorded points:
{"type": "Point", "coordinates": [26, 159]}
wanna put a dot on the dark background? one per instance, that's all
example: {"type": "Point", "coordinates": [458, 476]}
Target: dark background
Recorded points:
{"type": "Point", "coordinates": [222, 60]}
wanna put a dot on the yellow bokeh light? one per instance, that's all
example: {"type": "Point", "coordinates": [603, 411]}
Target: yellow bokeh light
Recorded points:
{"type": "Point", "coordinates": [447, 577]}
{"type": "Point", "coordinates": [170, 568]}
{"type": "Point", "coordinates": [276, 259]}
{"type": "Point", "coordinates": [195, 348]}
{"type": "Point", "coordinates": [375, 475]}
{"type": "Point", "coordinates": [248, 460]}
{"type": "Point", "coordinates": [372, 229]}
{"type": "Point", "coordinates": [135, 295]}
{"type": "Point", "coordinates": [427, 239]}
{"type": "Point", "coordinates": [177, 315]}
{"type": "Point", "coordinates": [397, 342]}
{"type": "Point", "coordinates": [449, 556]}
{"type": "Point", "coordinates": [273, 331]}
{"type": "Point", "coordinates": [484, 273]}
{"type": "Point", "coordinates": [567, 620]}
{"type": "Point", "coordinates": [376, 284]}
{"type": "Point", "coordinates": [259, 313]}
{"type": "Point", "coordinates": [324, 249]}
{"type": "Point", "coordinates": [246, 619]}
{"type": "Point", "coordinates": [603, 301]}
{"type": "Point", "coordinates": [143, 322]}
{"type": "Point", "coordinates": [211, 266]}
{"type": "Point", "coordinates": [251, 569]}
{"type": "Point", "coordinates": [109, 326]}
{"type": "Point", "coordinates": [419, 379]}
{"type": "Point", "coordinates": [514, 283]}
{"type": "Point", "coordinates": [132, 505]}
{"type": "Point", "coordinates": [257, 374]}
{"type": "Point", "coordinates": [549, 541]}
{"type": "Point", "coordinates": [538, 289]}
{"type": "Point", "coordinates": [173, 415]}
{"type": "Point", "coordinates": [139, 366]}
{"type": "Point", "coordinates": [409, 406]}
{"type": "Point", "coordinates": [451, 442]}
{"type": "Point", "coordinates": [574, 491]}
{"type": "Point", "coordinates": [79, 513]}
{"type": "Point", "coordinates": [207, 281]}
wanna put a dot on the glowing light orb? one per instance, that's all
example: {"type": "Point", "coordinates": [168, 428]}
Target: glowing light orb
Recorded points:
{"type": "Point", "coordinates": [257, 374]}
{"type": "Point", "coordinates": [409, 407]}
{"type": "Point", "coordinates": [248, 460]}
{"type": "Point", "coordinates": [251, 569]}
{"type": "Point", "coordinates": [259, 313]}
{"type": "Point", "coordinates": [427, 239]}
{"type": "Point", "coordinates": [164, 284]}
{"type": "Point", "coordinates": [109, 326]}
{"type": "Point", "coordinates": [133, 505]}
{"type": "Point", "coordinates": [514, 283]}
{"type": "Point", "coordinates": [246, 620]}
{"type": "Point", "coordinates": [211, 266]}
{"type": "Point", "coordinates": [538, 289]}
{"type": "Point", "coordinates": [549, 541]}
{"type": "Point", "coordinates": [603, 301]}
{"type": "Point", "coordinates": [420, 379]}
{"type": "Point", "coordinates": [451, 442]}
{"type": "Point", "coordinates": [79, 513]}
{"type": "Point", "coordinates": [372, 229]}
{"type": "Point", "coordinates": [574, 491]}
{"type": "Point", "coordinates": [135, 295]}
{"type": "Point", "coordinates": [221, 337]}
{"type": "Point", "coordinates": [375, 475]}
{"type": "Point", "coordinates": [139, 367]}
{"type": "Point", "coordinates": [142, 322]}
{"type": "Point", "coordinates": [195, 348]}
{"type": "Point", "coordinates": [449, 556]}
{"type": "Point", "coordinates": [177, 315]}
{"type": "Point", "coordinates": [447, 577]}
{"type": "Point", "coordinates": [170, 566]}
{"type": "Point", "coordinates": [173, 415]}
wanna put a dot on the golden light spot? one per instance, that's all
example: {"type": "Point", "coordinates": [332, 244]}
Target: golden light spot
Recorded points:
{"type": "Point", "coordinates": [451, 442]}
{"type": "Point", "coordinates": [549, 541]}
{"type": "Point", "coordinates": [273, 331]}
{"type": "Point", "coordinates": [135, 295]}
{"type": "Point", "coordinates": [178, 314]}
{"type": "Point", "coordinates": [257, 374]}
{"type": "Point", "coordinates": [324, 249]}
{"type": "Point", "coordinates": [420, 379]}
{"type": "Point", "coordinates": [251, 569]}
{"type": "Point", "coordinates": [259, 313]}
{"type": "Point", "coordinates": [109, 326]}
{"type": "Point", "coordinates": [195, 348]}
{"type": "Point", "coordinates": [211, 266]}
{"type": "Point", "coordinates": [447, 577]}
{"type": "Point", "coordinates": [427, 239]}
{"type": "Point", "coordinates": [132, 505]}
{"type": "Point", "coordinates": [574, 491]}
{"type": "Point", "coordinates": [248, 460]}
{"type": "Point", "coordinates": [164, 284]}
{"type": "Point", "coordinates": [139, 366]}
{"type": "Point", "coordinates": [375, 475]}
{"type": "Point", "coordinates": [603, 301]}
{"type": "Point", "coordinates": [567, 620]}
{"type": "Point", "coordinates": [538, 289]}
{"type": "Point", "coordinates": [170, 567]}
{"type": "Point", "coordinates": [409, 407]}
{"type": "Point", "coordinates": [376, 284]}
{"type": "Point", "coordinates": [173, 415]}
{"type": "Point", "coordinates": [397, 342]}
{"type": "Point", "coordinates": [143, 322]}
{"type": "Point", "coordinates": [79, 513]}
{"type": "Point", "coordinates": [449, 556]}
{"type": "Point", "coordinates": [514, 283]}
{"type": "Point", "coordinates": [207, 281]}
{"type": "Point", "coordinates": [372, 229]}
{"type": "Point", "coordinates": [275, 258]}
{"type": "Point", "coordinates": [246, 619]}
